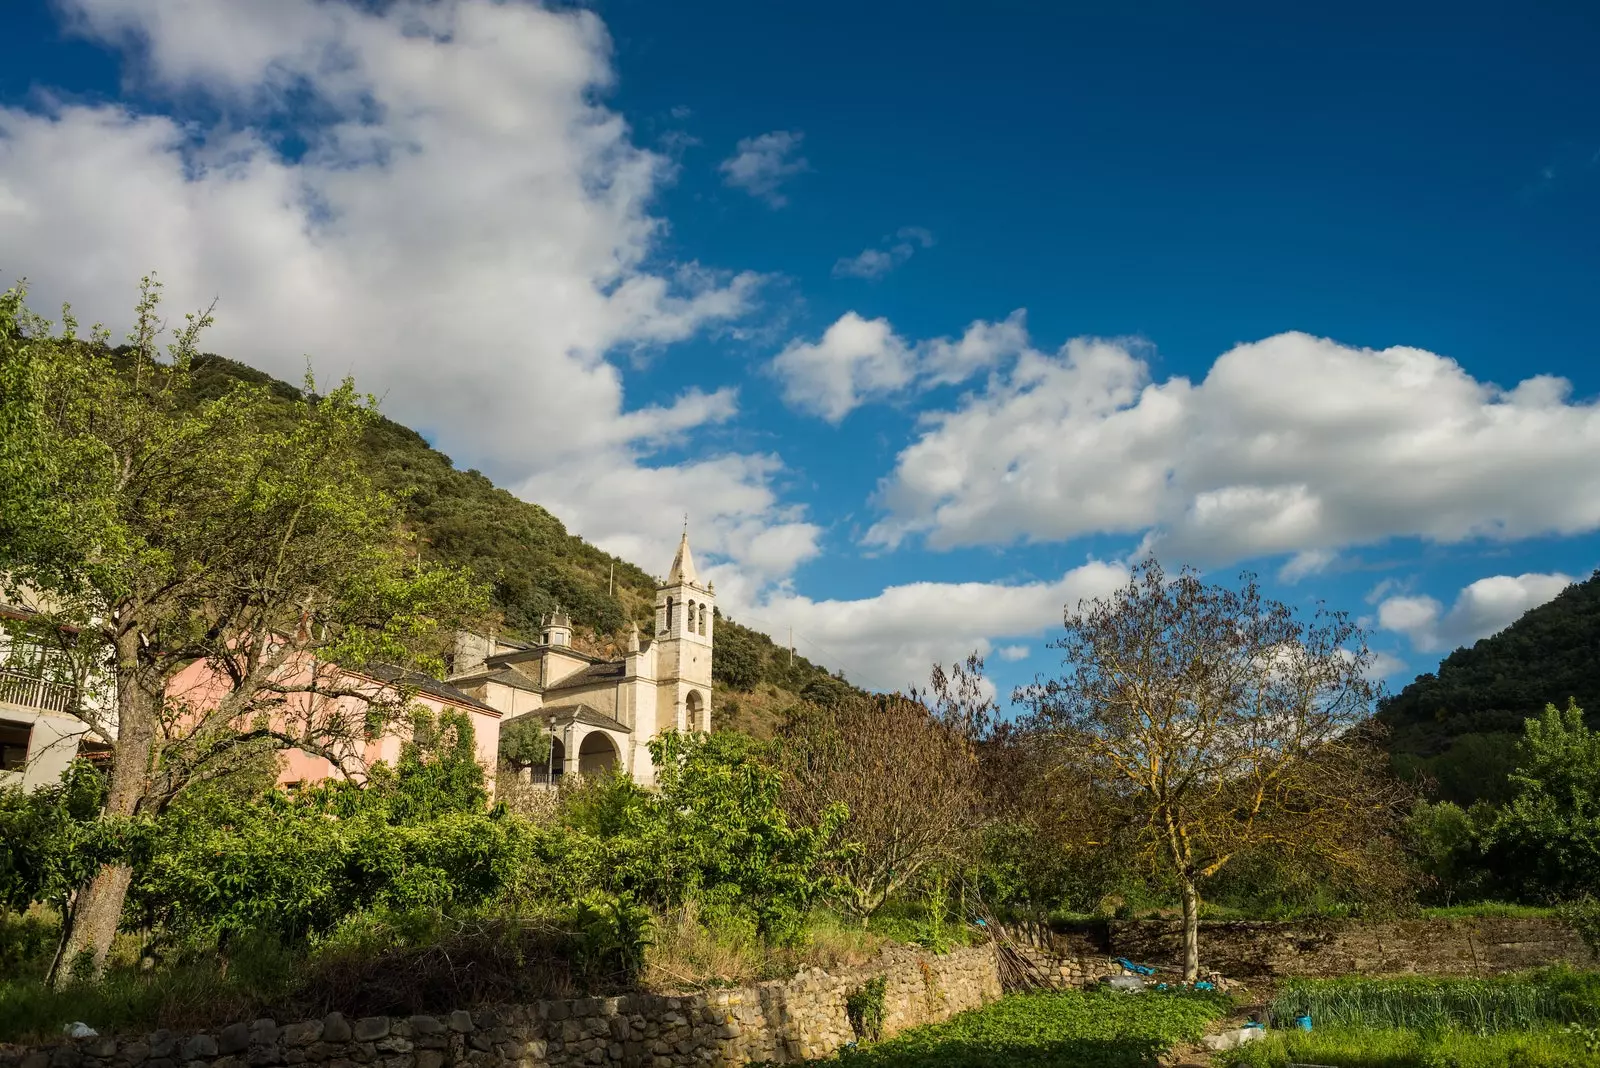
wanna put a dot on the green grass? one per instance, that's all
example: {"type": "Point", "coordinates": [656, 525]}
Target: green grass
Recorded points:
{"type": "Point", "coordinates": [1546, 1047]}
{"type": "Point", "coordinates": [1490, 909]}
{"type": "Point", "coordinates": [1503, 1003]}
{"type": "Point", "coordinates": [1093, 1029]}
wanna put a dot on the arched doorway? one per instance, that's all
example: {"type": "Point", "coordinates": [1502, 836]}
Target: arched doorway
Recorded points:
{"type": "Point", "coordinates": [597, 754]}
{"type": "Point", "coordinates": [555, 766]}
{"type": "Point", "coordinates": [696, 714]}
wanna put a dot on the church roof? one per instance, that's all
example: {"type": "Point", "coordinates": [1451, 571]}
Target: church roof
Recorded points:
{"type": "Point", "coordinates": [605, 671]}
{"type": "Point", "coordinates": [683, 565]}
{"type": "Point", "coordinates": [444, 691]}
{"type": "Point", "coordinates": [508, 676]}
{"type": "Point", "coordinates": [578, 713]}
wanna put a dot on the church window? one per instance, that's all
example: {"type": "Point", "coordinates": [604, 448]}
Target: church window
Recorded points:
{"type": "Point", "coordinates": [702, 619]}
{"type": "Point", "coordinates": [688, 623]}
{"type": "Point", "coordinates": [669, 613]}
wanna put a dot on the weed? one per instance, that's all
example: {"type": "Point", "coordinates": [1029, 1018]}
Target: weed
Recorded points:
{"type": "Point", "coordinates": [864, 1008]}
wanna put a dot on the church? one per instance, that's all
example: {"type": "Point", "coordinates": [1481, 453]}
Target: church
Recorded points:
{"type": "Point", "coordinates": [602, 713]}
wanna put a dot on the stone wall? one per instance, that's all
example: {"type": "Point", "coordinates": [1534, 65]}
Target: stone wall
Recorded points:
{"type": "Point", "coordinates": [782, 1021]}
{"type": "Point", "coordinates": [1482, 946]}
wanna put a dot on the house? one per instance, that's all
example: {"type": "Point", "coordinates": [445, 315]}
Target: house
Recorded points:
{"type": "Point", "coordinates": [49, 713]}
{"type": "Point", "coordinates": [603, 713]}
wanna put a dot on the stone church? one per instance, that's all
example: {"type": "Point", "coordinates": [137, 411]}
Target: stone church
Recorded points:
{"type": "Point", "coordinates": [602, 713]}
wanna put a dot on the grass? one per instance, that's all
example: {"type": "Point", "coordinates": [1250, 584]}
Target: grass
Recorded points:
{"type": "Point", "coordinates": [1071, 1029]}
{"type": "Point", "coordinates": [1547, 1047]}
{"type": "Point", "coordinates": [1490, 909]}
{"type": "Point", "coordinates": [1503, 1003]}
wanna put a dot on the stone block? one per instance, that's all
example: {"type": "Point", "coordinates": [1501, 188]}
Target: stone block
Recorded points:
{"type": "Point", "coordinates": [200, 1047]}
{"type": "Point", "coordinates": [36, 1059]}
{"type": "Point", "coordinates": [370, 1028]}
{"type": "Point", "coordinates": [335, 1028]}
{"type": "Point", "coordinates": [162, 1043]}
{"type": "Point", "coordinates": [461, 1022]}
{"type": "Point", "coordinates": [234, 1038]}
{"type": "Point", "coordinates": [264, 1032]}
{"type": "Point", "coordinates": [301, 1034]}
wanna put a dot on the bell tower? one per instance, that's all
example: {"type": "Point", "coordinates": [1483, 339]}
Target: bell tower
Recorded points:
{"type": "Point", "coordinates": [684, 625]}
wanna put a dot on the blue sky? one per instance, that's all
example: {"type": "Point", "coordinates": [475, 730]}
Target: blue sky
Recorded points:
{"type": "Point", "coordinates": [930, 316]}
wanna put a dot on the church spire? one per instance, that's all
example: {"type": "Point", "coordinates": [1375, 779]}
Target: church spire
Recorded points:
{"type": "Point", "coordinates": [683, 564]}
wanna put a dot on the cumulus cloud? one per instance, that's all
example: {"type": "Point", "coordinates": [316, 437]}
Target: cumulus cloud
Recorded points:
{"type": "Point", "coordinates": [857, 360]}
{"type": "Point", "coordinates": [874, 263]}
{"type": "Point", "coordinates": [890, 641]}
{"type": "Point", "coordinates": [1293, 444]}
{"type": "Point", "coordinates": [1481, 609]}
{"type": "Point", "coordinates": [466, 231]}
{"type": "Point", "coordinates": [760, 165]}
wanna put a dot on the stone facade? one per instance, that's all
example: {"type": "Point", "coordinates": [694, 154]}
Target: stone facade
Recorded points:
{"type": "Point", "coordinates": [1483, 946]}
{"type": "Point", "coordinates": [783, 1022]}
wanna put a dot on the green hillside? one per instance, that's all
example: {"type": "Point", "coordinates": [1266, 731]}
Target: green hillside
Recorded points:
{"type": "Point", "coordinates": [533, 563]}
{"type": "Point", "coordinates": [1460, 725]}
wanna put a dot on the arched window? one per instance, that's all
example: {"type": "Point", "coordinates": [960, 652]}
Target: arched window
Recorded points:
{"type": "Point", "coordinates": [688, 623]}
{"type": "Point", "coordinates": [669, 613]}
{"type": "Point", "coordinates": [702, 619]}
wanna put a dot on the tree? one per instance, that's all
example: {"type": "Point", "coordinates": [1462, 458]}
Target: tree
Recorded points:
{"type": "Point", "coordinates": [524, 743]}
{"type": "Point", "coordinates": [1545, 841]}
{"type": "Point", "coordinates": [160, 535]}
{"type": "Point", "coordinates": [735, 658]}
{"type": "Point", "coordinates": [1222, 724]}
{"type": "Point", "coordinates": [906, 772]}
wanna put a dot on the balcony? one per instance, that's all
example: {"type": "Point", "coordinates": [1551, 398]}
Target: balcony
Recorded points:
{"type": "Point", "coordinates": [33, 691]}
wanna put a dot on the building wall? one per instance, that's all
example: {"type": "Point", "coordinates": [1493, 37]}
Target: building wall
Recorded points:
{"type": "Point", "coordinates": [52, 745]}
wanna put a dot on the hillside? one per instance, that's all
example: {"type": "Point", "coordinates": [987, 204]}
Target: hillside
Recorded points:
{"type": "Point", "coordinates": [1460, 724]}
{"type": "Point", "coordinates": [532, 562]}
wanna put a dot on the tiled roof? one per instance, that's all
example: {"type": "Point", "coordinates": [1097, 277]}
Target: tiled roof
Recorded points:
{"type": "Point", "coordinates": [428, 685]}
{"type": "Point", "coordinates": [603, 672]}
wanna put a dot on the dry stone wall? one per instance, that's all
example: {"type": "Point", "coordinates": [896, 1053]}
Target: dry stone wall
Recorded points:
{"type": "Point", "coordinates": [1483, 946]}
{"type": "Point", "coordinates": [780, 1022]}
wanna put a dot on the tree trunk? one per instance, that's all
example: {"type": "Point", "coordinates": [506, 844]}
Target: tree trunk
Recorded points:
{"type": "Point", "coordinates": [1191, 932]}
{"type": "Point", "coordinates": [97, 908]}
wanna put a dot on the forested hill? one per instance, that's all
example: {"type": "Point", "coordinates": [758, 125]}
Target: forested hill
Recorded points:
{"type": "Point", "coordinates": [1460, 725]}
{"type": "Point", "coordinates": [528, 557]}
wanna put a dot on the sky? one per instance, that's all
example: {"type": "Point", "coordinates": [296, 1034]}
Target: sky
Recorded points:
{"type": "Point", "coordinates": [931, 317]}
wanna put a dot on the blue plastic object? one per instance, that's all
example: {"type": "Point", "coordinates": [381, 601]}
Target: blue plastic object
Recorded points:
{"type": "Point", "coordinates": [1140, 969]}
{"type": "Point", "coordinates": [1204, 985]}
{"type": "Point", "coordinates": [1303, 1022]}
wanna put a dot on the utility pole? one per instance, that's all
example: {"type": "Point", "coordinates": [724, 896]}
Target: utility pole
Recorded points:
{"type": "Point", "coordinates": [611, 582]}
{"type": "Point", "coordinates": [791, 645]}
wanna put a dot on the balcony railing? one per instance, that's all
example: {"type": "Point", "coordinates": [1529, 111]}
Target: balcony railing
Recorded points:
{"type": "Point", "coordinates": [32, 691]}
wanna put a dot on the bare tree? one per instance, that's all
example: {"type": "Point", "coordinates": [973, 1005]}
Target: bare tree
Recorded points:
{"type": "Point", "coordinates": [1225, 724]}
{"type": "Point", "coordinates": [906, 768]}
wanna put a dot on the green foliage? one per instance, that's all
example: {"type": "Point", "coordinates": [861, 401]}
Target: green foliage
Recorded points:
{"type": "Point", "coordinates": [1368, 1048]}
{"type": "Point", "coordinates": [714, 832]}
{"type": "Point", "coordinates": [1502, 1003]}
{"type": "Point", "coordinates": [51, 840]}
{"type": "Point", "coordinates": [1094, 1029]}
{"type": "Point", "coordinates": [1545, 841]}
{"type": "Point", "coordinates": [736, 658]}
{"type": "Point", "coordinates": [524, 743]}
{"type": "Point", "coordinates": [1583, 916]}
{"type": "Point", "coordinates": [1456, 724]}
{"type": "Point", "coordinates": [613, 934]}
{"type": "Point", "coordinates": [863, 1007]}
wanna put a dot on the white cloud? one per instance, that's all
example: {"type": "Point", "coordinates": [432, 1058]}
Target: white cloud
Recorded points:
{"type": "Point", "coordinates": [467, 232]}
{"type": "Point", "coordinates": [1309, 562]}
{"type": "Point", "coordinates": [760, 165]}
{"type": "Point", "coordinates": [857, 360]}
{"type": "Point", "coordinates": [1486, 607]}
{"type": "Point", "coordinates": [1012, 653]}
{"type": "Point", "coordinates": [1293, 444]}
{"type": "Point", "coordinates": [890, 641]}
{"type": "Point", "coordinates": [874, 263]}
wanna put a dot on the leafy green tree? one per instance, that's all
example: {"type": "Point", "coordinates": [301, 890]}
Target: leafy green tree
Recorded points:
{"type": "Point", "coordinates": [1545, 841]}
{"type": "Point", "coordinates": [524, 743]}
{"type": "Point", "coordinates": [154, 533]}
{"type": "Point", "coordinates": [736, 659]}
